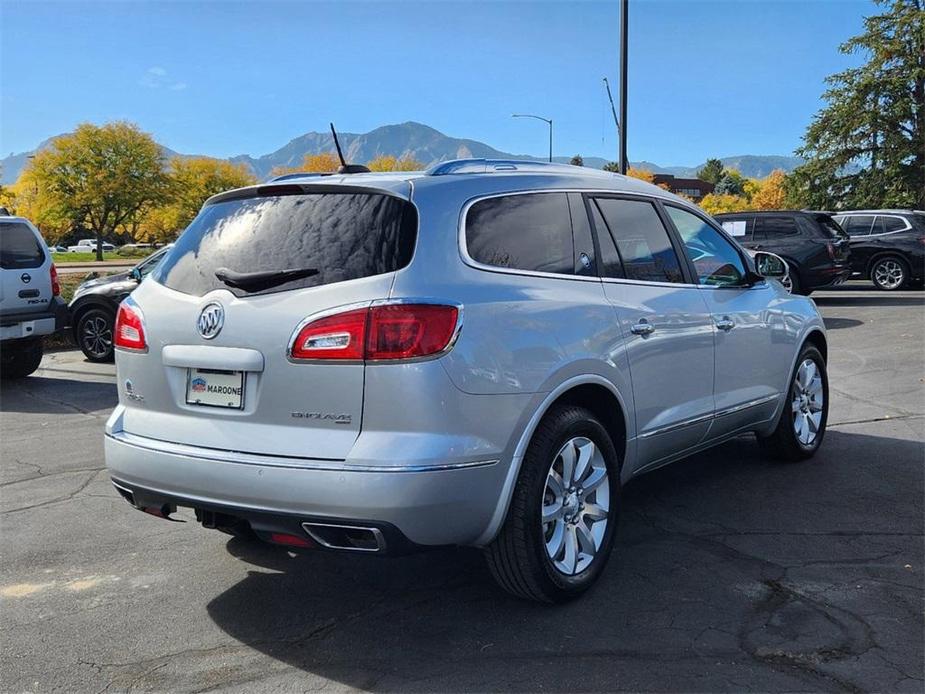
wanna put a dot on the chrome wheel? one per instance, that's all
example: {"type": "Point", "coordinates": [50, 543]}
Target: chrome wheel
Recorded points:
{"type": "Point", "coordinates": [889, 274]}
{"type": "Point", "coordinates": [807, 402]}
{"type": "Point", "coordinates": [787, 282]}
{"type": "Point", "coordinates": [96, 337]}
{"type": "Point", "coordinates": [576, 506]}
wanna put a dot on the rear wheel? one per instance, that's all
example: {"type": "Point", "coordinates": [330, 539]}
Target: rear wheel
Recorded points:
{"type": "Point", "coordinates": [21, 358]}
{"type": "Point", "coordinates": [889, 273]}
{"type": "Point", "coordinates": [560, 526]}
{"type": "Point", "coordinates": [94, 334]}
{"type": "Point", "coordinates": [801, 426]}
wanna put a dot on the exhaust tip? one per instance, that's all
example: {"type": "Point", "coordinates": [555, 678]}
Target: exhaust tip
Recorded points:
{"type": "Point", "coordinates": [350, 538]}
{"type": "Point", "coordinates": [124, 492]}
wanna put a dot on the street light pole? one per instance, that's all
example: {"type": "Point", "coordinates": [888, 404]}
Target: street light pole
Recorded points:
{"type": "Point", "coordinates": [545, 120]}
{"type": "Point", "coordinates": [624, 21]}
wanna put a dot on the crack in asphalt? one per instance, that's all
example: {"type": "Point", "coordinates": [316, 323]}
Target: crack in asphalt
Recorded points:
{"type": "Point", "coordinates": [873, 420]}
{"type": "Point", "coordinates": [56, 500]}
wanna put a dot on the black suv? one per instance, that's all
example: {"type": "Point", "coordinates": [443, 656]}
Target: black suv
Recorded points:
{"type": "Point", "coordinates": [887, 246]}
{"type": "Point", "coordinates": [812, 243]}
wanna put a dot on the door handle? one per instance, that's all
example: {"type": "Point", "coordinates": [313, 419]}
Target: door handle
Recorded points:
{"type": "Point", "coordinates": [725, 323]}
{"type": "Point", "coordinates": [643, 327]}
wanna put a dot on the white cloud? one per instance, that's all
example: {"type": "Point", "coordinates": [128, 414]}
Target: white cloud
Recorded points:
{"type": "Point", "coordinates": [157, 77]}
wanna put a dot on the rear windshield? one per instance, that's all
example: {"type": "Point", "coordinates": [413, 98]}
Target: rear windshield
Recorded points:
{"type": "Point", "coordinates": [830, 226]}
{"type": "Point", "coordinates": [340, 236]}
{"type": "Point", "coordinates": [19, 247]}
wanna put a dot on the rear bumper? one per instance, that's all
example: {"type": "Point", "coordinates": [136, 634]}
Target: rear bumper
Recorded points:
{"type": "Point", "coordinates": [411, 505]}
{"type": "Point", "coordinates": [820, 278]}
{"type": "Point", "coordinates": [50, 319]}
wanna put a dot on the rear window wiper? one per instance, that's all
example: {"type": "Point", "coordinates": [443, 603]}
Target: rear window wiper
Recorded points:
{"type": "Point", "coordinates": [258, 281]}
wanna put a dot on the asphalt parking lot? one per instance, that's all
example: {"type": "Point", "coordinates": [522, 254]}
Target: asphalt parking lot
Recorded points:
{"type": "Point", "coordinates": [731, 572]}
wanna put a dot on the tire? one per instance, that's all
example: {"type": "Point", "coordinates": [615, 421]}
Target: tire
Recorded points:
{"type": "Point", "coordinates": [21, 358]}
{"type": "Point", "coordinates": [889, 273]}
{"type": "Point", "coordinates": [796, 286]}
{"type": "Point", "coordinates": [794, 440]}
{"type": "Point", "coordinates": [93, 334]}
{"type": "Point", "coordinates": [519, 558]}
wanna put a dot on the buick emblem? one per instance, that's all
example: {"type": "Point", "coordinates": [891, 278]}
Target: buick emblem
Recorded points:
{"type": "Point", "coordinates": [211, 320]}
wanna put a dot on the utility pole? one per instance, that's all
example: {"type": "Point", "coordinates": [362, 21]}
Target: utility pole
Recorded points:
{"type": "Point", "coordinates": [624, 20]}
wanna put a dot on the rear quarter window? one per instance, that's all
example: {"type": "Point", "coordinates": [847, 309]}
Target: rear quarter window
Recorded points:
{"type": "Point", "coordinates": [20, 247]}
{"type": "Point", "coordinates": [344, 236]}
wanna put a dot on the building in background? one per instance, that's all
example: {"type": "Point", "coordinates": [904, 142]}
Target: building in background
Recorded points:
{"type": "Point", "coordinates": [693, 188]}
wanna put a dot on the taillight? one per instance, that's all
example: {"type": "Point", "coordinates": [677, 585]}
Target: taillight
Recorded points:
{"type": "Point", "coordinates": [831, 249]}
{"type": "Point", "coordinates": [55, 285]}
{"type": "Point", "coordinates": [380, 333]}
{"type": "Point", "coordinates": [130, 329]}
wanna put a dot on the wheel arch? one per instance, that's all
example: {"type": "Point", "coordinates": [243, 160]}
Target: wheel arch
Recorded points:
{"type": "Point", "coordinates": [879, 256]}
{"type": "Point", "coordinates": [818, 339]}
{"type": "Point", "coordinates": [88, 304]}
{"type": "Point", "coordinates": [590, 390]}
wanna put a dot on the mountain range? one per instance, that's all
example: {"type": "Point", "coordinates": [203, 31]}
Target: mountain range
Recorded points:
{"type": "Point", "coordinates": [421, 143]}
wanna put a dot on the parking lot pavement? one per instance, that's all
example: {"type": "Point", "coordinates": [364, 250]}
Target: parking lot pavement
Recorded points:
{"type": "Point", "coordinates": [730, 572]}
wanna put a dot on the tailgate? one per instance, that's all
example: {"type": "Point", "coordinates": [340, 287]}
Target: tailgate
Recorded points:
{"type": "Point", "coordinates": [25, 279]}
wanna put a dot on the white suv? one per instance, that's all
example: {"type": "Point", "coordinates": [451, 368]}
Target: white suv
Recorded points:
{"type": "Point", "coordinates": [30, 305]}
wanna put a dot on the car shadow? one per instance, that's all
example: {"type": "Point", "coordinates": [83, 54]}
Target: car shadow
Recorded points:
{"type": "Point", "coordinates": [705, 551]}
{"type": "Point", "coordinates": [878, 299]}
{"type": "Point", "coordinates": [840, 323]}
{"type": "Point", "coordinates": [43, 394]}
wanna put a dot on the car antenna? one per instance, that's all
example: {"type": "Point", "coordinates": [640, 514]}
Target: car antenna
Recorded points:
{"type": "Point", "coordinates": [346, 168]}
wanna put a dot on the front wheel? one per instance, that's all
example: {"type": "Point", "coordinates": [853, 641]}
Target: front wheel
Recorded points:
{"type": "Point", "coordinates": [94, 334]}
{"type": "Point", "coordinates": [560, 526]}
{"type": "Point", "coordinates": [889, 274]}
{"type": "Point", "coordinates": [802, 422]}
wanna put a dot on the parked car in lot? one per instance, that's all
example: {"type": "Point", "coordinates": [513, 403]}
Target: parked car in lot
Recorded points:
{"type": "Point", "coordinates": [887, 246]}
{"type": "Point", "coordinates": [30, 305]}
{"type": "Point", "coordinates": [95, 302]}
{"type": "Point", "coordinates": [816, 249]}
{"type": "Point", "coordinates": [89, 246]}
{"type": "Point", "coordinates": [481, 354]}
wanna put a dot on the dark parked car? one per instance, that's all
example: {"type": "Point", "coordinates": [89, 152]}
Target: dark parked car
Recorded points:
{"type": "Point", "coordinates": [812, 243]}
{"type": "Point", "coordinates": [93, 308]}
{"type": "Point", "coordinates": [887, 246]}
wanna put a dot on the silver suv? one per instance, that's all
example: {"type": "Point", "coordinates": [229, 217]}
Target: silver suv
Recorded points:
{"type": "Point", "coordinates": [480, 354]}
{"type": "Point", "coordinates": [30, 305]}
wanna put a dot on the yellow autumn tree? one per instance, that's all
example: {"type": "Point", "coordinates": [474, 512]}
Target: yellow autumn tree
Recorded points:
{"type": "Point", "coordinates": [192, 181]}
{"type": "Point", "coordinates": [387, 162]}
{"type": "Point", "coordinates": [717, 203]}
{"type": "Point", "coordinates": [771, 194]}
{"type": "Point", "coordinates": [641, 174]}
{"type": "Point", "coordinates": [326, 162]}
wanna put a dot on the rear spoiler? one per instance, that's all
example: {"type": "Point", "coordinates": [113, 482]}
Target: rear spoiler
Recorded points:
{"type": "Point", "coordinates": [274, 189]}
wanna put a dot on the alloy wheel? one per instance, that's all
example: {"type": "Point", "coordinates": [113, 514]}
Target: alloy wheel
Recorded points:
{"type": "Point", "coordinates": [807, 402]}
{"type": "Point", "coordinates": [889, 274]}
{"type": "Point", "coordinates": [576, 506]}
{"type": "Point", "coordinates": [96, 336]}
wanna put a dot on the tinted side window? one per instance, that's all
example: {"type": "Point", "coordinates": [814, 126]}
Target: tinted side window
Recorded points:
{"type": "Point", "coordinates": [342, 236]}
{"type": "Point", "coordinates": [641, 240]}
{"type": "Point", "coordinates": [716, 261]}
{"type": "Point", "coordinates": [888, 224]}
{"type": "Point", "coordinates": [523, 232]}
{"type": "Point", "coordinates": [19, 247]}
{"type": "Point", "coordinates": [775, 227]}
{"type": "Point", "coordinates": [858, 225]}
{"type": "Point", "coordinates": [581, 232]}
{"type": "Point", "coordinates": [611, 265]}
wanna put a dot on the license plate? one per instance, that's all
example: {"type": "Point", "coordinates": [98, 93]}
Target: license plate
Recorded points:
{"type": "Point", "coordinates": [214, 388]}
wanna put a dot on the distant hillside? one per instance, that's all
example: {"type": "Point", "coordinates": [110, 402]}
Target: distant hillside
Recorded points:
{"type": "Point", "coordinates": [422, 143]}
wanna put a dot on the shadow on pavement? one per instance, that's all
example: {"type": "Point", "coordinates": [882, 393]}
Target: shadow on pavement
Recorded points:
{"type": "Point", "coordinates": [878, 299]}
{"type": "Point", "coordinates": [728, 569]}
{"type": "Point", "coordinates": [41, 394]}
{"type": "Point", "coordinates": [840, 323]}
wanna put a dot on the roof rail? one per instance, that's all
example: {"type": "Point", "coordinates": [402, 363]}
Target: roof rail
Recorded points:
{"type": "Point", "coordinates": [481, 166]}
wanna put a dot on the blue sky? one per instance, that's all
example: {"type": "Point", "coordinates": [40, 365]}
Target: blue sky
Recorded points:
{"type": "Point", "coordinates": [223, 78]}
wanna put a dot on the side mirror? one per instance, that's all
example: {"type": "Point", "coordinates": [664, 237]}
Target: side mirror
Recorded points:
{"type": "Point", "coordinates": [770, 265]}
{"type": "Point", "coordinates": [135, 274]}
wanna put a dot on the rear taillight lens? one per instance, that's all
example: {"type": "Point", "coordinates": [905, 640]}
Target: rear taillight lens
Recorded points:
{"type": "Point", "coordinates": [379, 333]}
{"type": "Point", "coordinates": [830, 247]}
{"type": "Point", "coordinates": [130, 329]}
{"type": "Point", "coordinates": [55, 285]}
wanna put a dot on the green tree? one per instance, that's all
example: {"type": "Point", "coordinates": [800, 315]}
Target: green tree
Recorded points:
{"type": "Point", "coordinates": [866, 148]}
{"type": "Point", "coordinates": [711, 172]}
{"type": "Point", "coordinates": [99, 177]}
{"type": "Point", "coordinates": [577, 160]}
{"type": "Point", "coordinates": [731, 183]}
{"type": "Point", "coordinates": [612, 167]}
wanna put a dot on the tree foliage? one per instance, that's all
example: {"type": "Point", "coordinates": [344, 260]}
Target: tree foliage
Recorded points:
{"type": "Point", "coordinates": [326, 162]}
{"type": "Point", "coordinates": [717, 203]}
{"type": "Point", "coordinates": [730, 183]}
{"type": "Point", "coordinates": [711, 172]}
{"type": "Point", "coordinates": [770, 193]}
{"type": "Point", "coordinates": [612, 167]}
{"type": "Point", "coordinates": [641, 174]}
{"type": "Point", "coordinates": [192, 181]}
{"type": "Point", "coordinates": [389, 163]}
{"type": "Point", "coordinates": [577, 160]}
{"type": "Point", "coordinates": [866, 147]}
{"type": "Point", "coordinates": [98, 177]}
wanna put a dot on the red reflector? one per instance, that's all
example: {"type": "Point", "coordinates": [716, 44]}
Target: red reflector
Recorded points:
{"type": "Point", "coordinates": [407, 331]}
{"type": "Point", "coordinates": [389, 332]}
{"type": "Point", "coordinates": [291, 540]}
{"type": "Point", "coordinates": [55, 285]}
{"type": "Point", "coordinates": [130, 330]}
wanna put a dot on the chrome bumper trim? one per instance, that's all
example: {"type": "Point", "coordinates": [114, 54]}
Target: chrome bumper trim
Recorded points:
{"type": "Point", "coordinates": [224, 456]}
